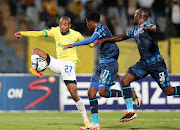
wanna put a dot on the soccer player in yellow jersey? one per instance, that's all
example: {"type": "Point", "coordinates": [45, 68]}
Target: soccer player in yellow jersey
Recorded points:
{"type": "Point", "coordinates": [66, 59]}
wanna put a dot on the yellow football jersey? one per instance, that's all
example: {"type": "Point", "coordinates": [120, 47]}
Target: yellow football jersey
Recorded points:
{"type": "Point", "coordinates": [70, 38]}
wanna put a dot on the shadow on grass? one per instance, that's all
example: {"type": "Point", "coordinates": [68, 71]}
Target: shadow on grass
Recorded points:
{"type": "Point", "coordinates": [167, 127]}
{"type": "Point", "coordinates": [138, 128]}
{"type": "Point", "coordinates": [54, 124]}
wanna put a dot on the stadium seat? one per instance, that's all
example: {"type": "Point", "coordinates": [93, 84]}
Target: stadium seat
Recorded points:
{"type": "Point", "coordinates": [11, 64]}
{"type": "Point", "coordinates": [9, 51]}
{"type": "Point", "coordinates": [2, 41]}
{"type": "Point", "coordinates": [15, 64]}
{"type": "Point", "coordinates": [2, 50]}
{"type": "Point", "coordinates": [3, 64]}
{"type": "Point", "coordinates": [19, 67]}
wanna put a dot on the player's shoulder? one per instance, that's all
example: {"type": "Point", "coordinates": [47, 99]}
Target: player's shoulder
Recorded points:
{"type": "Point", "coordinates": [147, 23]}
{"type": "Point", "coordinates": [56, 28]}
{"type": "Point", "coordinates": [100, 26]}
{"type": "Point", "coordinates": [74, 32]}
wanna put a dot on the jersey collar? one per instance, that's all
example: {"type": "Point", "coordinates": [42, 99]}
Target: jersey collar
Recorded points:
{"type": "Point", "coordinates": [68, 33]}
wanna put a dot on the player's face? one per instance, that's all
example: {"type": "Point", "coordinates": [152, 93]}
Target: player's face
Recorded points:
{"type": "Point", "coordinates": [136, 17]}
{"type": "Point", "coordinates": [89, 24]}
{"type": "Point", "coordinates": [64, 26]}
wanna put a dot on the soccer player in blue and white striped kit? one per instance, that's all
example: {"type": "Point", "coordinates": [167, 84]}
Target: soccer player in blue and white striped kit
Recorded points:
{"type": "Point", "coordinates": [151, 62]}
{"type": "Point", "coordinates": [105, 73]}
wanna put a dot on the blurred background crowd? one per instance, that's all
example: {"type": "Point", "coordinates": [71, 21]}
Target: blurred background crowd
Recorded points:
{"type": "Point", "coordinates": [118, 15]}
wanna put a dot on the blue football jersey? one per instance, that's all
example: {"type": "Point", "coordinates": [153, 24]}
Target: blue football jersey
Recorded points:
{"type": "Point", "coordinates": [107, 50]}
{"type": "Point", "coordinates": [146, 40]}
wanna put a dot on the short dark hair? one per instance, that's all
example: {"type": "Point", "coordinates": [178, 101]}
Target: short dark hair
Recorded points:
{"type": "Point", "coordinates": [93, 16]}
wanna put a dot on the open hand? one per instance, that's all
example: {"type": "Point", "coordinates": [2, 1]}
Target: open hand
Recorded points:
{"type": "Point", "coordinates": [97, 42]}
{"type": "Point", "coordinates": [151, 27]}
{"type": "Point", "coordinates": [18, 35]}
{"type": "Point", "coordinates": [65, 47]}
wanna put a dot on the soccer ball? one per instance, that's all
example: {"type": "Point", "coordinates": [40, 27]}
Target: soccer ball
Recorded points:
{"type": "Point", "coordinates": [40, 64]}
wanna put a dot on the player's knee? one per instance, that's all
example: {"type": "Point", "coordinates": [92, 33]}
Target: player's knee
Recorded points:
{"type": "Point", "coordinates": [91, 93]}
{"type": "Point", "coordinates": [168, 91]}
{"type": "Point", "coordinates": [36, 51]}
{"type": "Point", "coordinates": [124, 82]}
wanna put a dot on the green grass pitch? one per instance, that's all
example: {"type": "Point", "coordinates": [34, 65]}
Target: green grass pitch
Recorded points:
{"type": "Point", "coordinates": [73, 121]}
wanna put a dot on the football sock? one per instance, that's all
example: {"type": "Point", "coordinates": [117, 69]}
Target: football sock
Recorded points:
{"type": "Point", "coordinates": [80, 106]}
{"type": "Point", "coordinates": [115, 93]}
{"type": "Point", "coordinates": [34, 56]}
{"type": "Point", "coordinates": [177, 90]}
{"type": "Point", "coordinates": [128, 98]}
{"type": "Point", "coordinates": [94, 110]}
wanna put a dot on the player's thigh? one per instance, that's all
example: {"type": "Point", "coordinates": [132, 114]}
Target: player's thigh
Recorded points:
{"type": "Point", "coordinates": [138, 71]}
{"type": "Point", "coordinates": [159, 72]}
{"type": "Point", "coordinates": [68, 70]}
{"type": "Point", "coordinates": [54, 65]}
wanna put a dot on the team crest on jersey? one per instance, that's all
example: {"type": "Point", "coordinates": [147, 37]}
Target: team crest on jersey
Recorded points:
{"type": "Point", "coordinates": [59, 44]}
{"type": "Point", "coordinates": [135, 33]}
{"type": "Point", "coordinates": [103, 79]}
{"type": "Point", "coordinates": [70, 40]}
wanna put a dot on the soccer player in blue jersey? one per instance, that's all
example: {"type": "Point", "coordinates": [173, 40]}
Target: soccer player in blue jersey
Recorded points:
{"type": "Point", "coordinates": [151, 62]}
{"type": "Point", "coordinates": [105, 73]}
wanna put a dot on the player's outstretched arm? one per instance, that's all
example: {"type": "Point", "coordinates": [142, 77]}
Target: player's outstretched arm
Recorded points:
{"type": "Point", "coordinates": [30, 33]}
{"type": "Point", "coordinates": [83, 42]}
{"type": "Point", "coordinates": [112, 39]}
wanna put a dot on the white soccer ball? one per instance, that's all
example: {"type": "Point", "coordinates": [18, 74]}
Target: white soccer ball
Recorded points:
{"type": "Point", "coordinates": [40, 64]}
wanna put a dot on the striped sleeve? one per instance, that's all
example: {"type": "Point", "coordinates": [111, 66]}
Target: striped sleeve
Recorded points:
{"type": "Point", "coordinates": [130, 33]}
{"type": "Point", "coordinates": [49, 32]}
{"type": "Point", "coordinates": [100, 30]}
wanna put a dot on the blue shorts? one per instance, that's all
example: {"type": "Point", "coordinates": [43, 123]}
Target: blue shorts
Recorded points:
{"type": "Point", "coordinates": [104, 75]}
{"type": "Point", "coordinates": [157, 70]}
